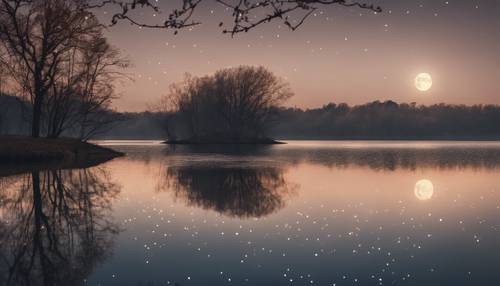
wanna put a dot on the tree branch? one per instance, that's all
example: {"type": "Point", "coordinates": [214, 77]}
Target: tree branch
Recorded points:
{"type": "Point", "coordinates": [246, 14]}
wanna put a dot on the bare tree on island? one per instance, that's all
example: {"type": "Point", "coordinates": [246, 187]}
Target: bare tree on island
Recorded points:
{"type": "Point", "coordinates": [234, 105]}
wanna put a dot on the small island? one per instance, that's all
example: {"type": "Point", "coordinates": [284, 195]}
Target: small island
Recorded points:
{"type": "Point", "coordinates": [232, 106]}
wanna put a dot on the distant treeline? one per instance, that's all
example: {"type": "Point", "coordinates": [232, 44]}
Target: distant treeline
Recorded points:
{"type": "Point", "coordinates": [375, 120]}
{"type": "Point", "coordinates": [380, 120]}
{"type": "Point", "coordinates": [15, 119]}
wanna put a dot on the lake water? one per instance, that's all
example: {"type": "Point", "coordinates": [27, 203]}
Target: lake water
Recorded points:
{"type": "Point", "coordinates": [304, 213]}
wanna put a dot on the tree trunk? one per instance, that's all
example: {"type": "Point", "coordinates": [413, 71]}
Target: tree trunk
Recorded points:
{"type": "Point", "coordinates": [37, 107]}
{"type": "Point", "coordinates": [37, 115]}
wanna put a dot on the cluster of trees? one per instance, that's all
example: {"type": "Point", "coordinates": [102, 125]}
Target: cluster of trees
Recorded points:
{"type": "Point", "coordinates": [233, 105]}
{"type": "Point", "coordinates": [53, 54]}
{"type": "Point", "coordinates": [379, 120]}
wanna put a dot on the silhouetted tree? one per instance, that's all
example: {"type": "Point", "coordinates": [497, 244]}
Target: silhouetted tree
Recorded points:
{"type": "Point", "coordinates": [35, 38]}
{"type": "Point", "coordinates": [80, 98]}
{"type": "Point", "coordinates": [233, 105]}
{"type": "Point", "coordinates": [55, 52]}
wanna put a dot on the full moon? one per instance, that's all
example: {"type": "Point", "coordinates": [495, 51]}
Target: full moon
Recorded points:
{"type": "Point", "coordinates": [423, 82]}
{"type": "Point", "coordinates": [424, 190]}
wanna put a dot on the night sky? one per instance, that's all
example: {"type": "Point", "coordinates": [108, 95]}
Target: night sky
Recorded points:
{"type": "Point", "coordinates": [339, 55]}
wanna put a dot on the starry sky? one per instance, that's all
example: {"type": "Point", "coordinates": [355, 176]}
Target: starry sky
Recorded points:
{"type": "Point", "coordinates": [339, 55]}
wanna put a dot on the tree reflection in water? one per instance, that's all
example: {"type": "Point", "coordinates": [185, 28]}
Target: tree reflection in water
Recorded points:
{"type": "Point", "coordinates": [55, 226]}
{"type": "Point", "coordinates": [236, 191]}
{"type": "Point", "coordinates": [248, 181]}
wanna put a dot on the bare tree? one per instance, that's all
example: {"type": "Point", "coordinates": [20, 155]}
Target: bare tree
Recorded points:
{"type": "Point", "coordinates": [35, 35]}
{"type": "Point", "coordinates": [80, 98]}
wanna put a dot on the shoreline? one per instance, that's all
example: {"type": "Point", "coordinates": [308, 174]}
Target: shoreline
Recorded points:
{"type": "Point", "coordinates": [283, 140]}
{"type": "Point", "coordinates": [24, 154]}
{"type": "Point", "coordinates": [257, 141]}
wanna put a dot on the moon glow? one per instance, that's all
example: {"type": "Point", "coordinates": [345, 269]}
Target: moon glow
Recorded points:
{"type": "Point", "coordinates": [424, 190]}
{"type": "Point", "coordinates": [423, 82]}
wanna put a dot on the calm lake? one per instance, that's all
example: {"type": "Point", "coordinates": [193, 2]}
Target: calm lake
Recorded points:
{"type": "Point", "coordinates": [304, 213]}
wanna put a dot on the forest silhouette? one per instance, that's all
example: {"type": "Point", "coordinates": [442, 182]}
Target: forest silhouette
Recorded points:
{"type": "Point", "coordinates": [374, 120]}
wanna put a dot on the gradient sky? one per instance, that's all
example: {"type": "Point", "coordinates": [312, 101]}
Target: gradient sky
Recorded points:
{"type": "Point", "coordinates": [338, 55]}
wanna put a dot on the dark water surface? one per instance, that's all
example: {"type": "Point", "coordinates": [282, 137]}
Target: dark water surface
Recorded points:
{"type": "Point", "coordinates": [305, 213]}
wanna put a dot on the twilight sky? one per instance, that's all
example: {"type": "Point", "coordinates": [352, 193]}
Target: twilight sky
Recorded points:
{"type": "Point", "coordinates": [339, 55]}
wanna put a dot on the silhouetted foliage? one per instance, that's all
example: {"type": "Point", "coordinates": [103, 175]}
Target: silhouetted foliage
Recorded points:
{"type": "Point", "coordinates": [233, 105]}
{"type": "Point", "coordinates": [56, 226]}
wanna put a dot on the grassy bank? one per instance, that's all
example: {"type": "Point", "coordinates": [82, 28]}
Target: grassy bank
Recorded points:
{"type": "Point", "coordinates": [18, 154]}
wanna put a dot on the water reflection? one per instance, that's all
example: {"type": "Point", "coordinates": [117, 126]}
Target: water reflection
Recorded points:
{"type": "Point", "coordinates": [233, 191]}
{"type": "Point", "coordinates": [329, 214]}
{"type": "Point", "coordinates": [392, 159]}
{"type": "Point", "coordinates": [248, 181]}
{"type": "Point", "coordinates": [55, 226]}
{"type": "Point", "coordinates": [386, 157]}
